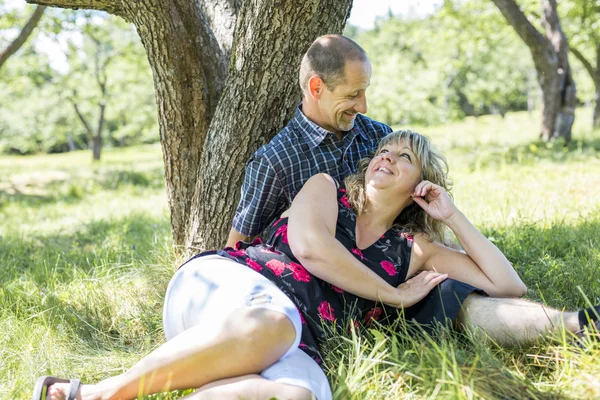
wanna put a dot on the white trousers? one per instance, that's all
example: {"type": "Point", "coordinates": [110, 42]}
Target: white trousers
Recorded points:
{"type": "Point", "coordinates": [208, 289]}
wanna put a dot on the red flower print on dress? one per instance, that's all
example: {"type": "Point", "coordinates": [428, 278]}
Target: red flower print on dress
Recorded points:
{"type": "Point", "coordinates": [345, 202]}
{"type": "Point", "coordinates": [373, 315]}
{"type": "Point", "coordinates": [388, 267]}
{"type": "Point", "coordinates": [342, 190]}
{"type": "Point", "coordinates": [254, 265]}
{"type": "Point", "coordinates": [276, 266]}
{"type": "Point", "coordinates": [406, 236]}
{"type": "Point", "coordinates": [358, 253]}
{"type": "Point", "coordinates": [299, 272]}
{"type": "Point", "coordinates": [337, 289]}
{"type": "Point", "coordinates": [237, 253]}
{"type": "Point", "coordinates": [326, 311]}
{"type": "Point", "coordinates": [282, 231]}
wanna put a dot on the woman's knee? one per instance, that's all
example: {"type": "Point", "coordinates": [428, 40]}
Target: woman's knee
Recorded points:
{"type": "Point", "coordinates": [261, 327]}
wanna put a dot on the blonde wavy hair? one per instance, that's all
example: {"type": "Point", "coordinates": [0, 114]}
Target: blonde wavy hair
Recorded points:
{"type": "Point", "coordinates": [413, 219]}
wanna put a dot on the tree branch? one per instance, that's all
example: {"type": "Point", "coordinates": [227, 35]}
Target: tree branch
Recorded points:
{"type": "Point", "coordinates": [525, 29]}
{"type": "Point", "coordinates": [83, 120]}
{"type": "Point", "coordinates": [588, 66]}
{"type": "Point", "coordinates": [110, 6]}
{"type": "Point", "coordinates": [23, 36]}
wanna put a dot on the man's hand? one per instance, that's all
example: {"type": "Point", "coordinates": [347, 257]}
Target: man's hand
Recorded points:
{"type": "Point", "coordinates": [235, 236]}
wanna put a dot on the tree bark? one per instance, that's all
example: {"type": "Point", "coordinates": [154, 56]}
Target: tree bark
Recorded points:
{"type": "Point", "coordinates": [189, 68]}
{"type": "Point", "coordinates": [220, 95]}
{"type": "Point", "coordinates": [550, 57]}
{"type": "Point", "coordinates": [23, 35]}
{"type": "Point", "coordinates": [260, 96]}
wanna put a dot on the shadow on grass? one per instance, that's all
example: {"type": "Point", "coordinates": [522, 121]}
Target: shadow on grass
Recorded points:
{"type": "Point", "coordinates": [115, 179]}
{"type": "Point", "coordinates": [92, 246]}
{"type": "Point", "coordinates": [23, 199]}
{"type": "Point", "coordinates": [74, 282]}
{"type": "Point", "coordinates": [72, 191]}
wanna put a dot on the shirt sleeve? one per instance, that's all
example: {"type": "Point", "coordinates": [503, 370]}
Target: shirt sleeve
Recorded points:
{"type": "Point", "coordinates": [262, 198]}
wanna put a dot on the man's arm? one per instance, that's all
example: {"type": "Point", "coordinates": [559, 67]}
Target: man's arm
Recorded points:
{"type": "Point", "coordinates": [260, 203]}
{"type": "Point", "coordinates": [235, 236]}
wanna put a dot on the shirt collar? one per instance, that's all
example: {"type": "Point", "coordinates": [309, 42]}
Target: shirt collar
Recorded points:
{"type": "Point", "coordinates": [314, 134]}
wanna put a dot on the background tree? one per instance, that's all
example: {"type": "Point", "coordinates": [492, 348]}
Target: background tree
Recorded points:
{"type": "Point", "coordinates": [463, 60]}
{"type": "Point", "coordinates": [23, 35]}
{"type": "Point", "coordinates": [90, 61]}
{"type": "Point", "coordinates": [38, 85]}
{"type": "Point", "coordinates": [550, 53]}
{"type": "Point", "coordinates": [583, 29]}
{"type": "Point", "coordinates": [225, 75]}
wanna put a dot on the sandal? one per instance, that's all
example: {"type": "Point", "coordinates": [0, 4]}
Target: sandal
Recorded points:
{"type": "Point", "coordinates": [44, 382]}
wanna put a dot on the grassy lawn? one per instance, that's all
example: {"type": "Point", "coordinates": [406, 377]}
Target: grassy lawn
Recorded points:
{"type": "Point", "coordinates": [85, 257]}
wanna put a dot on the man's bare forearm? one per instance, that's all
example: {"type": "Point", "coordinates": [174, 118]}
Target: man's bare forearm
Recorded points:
{"type": "Point", "coordinates": [235, 236]}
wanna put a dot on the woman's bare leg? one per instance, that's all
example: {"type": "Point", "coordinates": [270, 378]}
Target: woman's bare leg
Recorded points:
{"type": "Point", "coordinates": [249, 387]}
{"type": "Point", "coordinates": [248, 342]}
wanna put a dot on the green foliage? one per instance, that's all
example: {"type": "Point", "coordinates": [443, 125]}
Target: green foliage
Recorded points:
{"type": "Point", "coordinates": [581, 24]}
{"type": "Point", "coordinates": [85, 254]}
{"type": "Point", "coordinates": [463, 60]}
{"type": "Point", "coordinates": [39, 114]}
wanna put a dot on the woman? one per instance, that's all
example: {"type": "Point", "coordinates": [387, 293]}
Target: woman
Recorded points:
{"type": "Point", "coordinates": [248, 321]}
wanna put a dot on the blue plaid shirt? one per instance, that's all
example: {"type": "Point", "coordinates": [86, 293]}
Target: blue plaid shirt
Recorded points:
{"type": "Point", "coordinates": [279, 169]}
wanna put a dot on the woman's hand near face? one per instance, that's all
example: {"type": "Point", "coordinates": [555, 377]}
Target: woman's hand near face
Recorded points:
{"type": "Point", "coordinates": [434, 200]}
{"type": "Point", "coordinates": [416, 288]}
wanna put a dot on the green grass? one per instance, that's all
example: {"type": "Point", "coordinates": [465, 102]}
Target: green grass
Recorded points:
{"type": "Point", "coordinates": [85, 257]}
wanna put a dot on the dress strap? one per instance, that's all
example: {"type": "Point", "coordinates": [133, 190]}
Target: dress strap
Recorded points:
{"type": "Point", "coordinates": [337, 184]}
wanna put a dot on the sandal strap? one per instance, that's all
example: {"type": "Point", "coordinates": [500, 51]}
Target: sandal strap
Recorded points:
{"type": "Point", "coordinates": [73, 388]}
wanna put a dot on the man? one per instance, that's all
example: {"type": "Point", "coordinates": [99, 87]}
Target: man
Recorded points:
{"type": "Point", "coordinates": [327, 134]}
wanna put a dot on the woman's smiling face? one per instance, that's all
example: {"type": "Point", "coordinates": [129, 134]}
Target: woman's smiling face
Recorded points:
{"type": "Point", "coordinates": [395, 165]}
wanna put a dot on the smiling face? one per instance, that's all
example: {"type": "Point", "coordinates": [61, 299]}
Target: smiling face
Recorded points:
{"type": "Point", "coordinates": [338, 108]}
{"type": "Point", "coordinates": [395, 166]}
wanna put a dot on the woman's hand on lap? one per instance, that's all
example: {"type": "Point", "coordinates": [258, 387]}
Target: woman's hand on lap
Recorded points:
{"type": "Point", "coordinates": [416, 288]}
{"type": "Point", "coordinates": [434, 200]}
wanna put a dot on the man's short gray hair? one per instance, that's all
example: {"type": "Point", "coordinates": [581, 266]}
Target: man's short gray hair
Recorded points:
{"type": "Point", "coordinates": [326, 57]}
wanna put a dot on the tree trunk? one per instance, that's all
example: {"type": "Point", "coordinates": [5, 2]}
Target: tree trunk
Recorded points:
{"type": "Point", "coordinates": [220, 95]}
{"type": "Point", "coordinates": [596, 120]}
{"type": "Point", "coordinates": [23, 35]}
{"type": "Point", "coordinates": [97, 138]}
{"type": "Point", "coordinates": [550, 57]}
{"type": "Point", "coordinates": [260, 96]}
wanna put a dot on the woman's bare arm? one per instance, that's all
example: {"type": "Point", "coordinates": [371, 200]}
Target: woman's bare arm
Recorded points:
{"type": "Point", "coordinates": [311, 233]}
{"type": "Point", "coordinates": [483, 265]}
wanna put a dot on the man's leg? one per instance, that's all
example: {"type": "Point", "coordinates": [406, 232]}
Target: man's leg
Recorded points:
{"type": "Point", "coordinates": [514, 321]}
{"type": "Point", "coordinates": [251, 340]}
